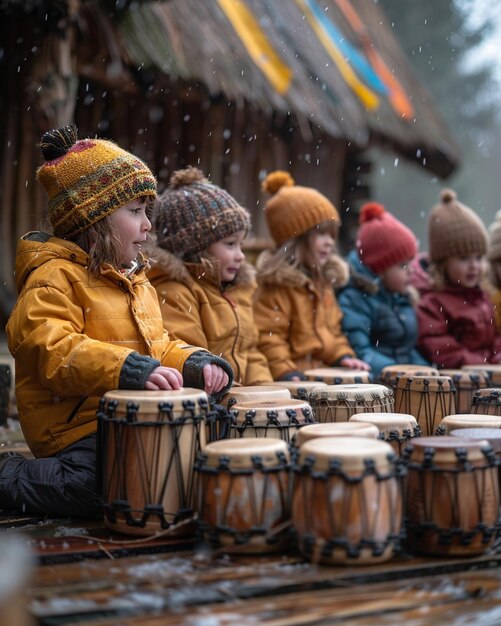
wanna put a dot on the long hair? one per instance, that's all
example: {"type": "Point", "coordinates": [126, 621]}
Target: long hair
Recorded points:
{"type": "Point", "coordinates": [297, 254]}
{"type": "Point", "coordinates": [102, 243]}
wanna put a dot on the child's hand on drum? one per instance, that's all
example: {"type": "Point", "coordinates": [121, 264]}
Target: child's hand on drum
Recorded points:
{"type": "Point", "coordinates": [164, 378]}
{"type": "Point", "coordinates": [355, 364]}
{"type": "Point", "coordinates": [215, 378]}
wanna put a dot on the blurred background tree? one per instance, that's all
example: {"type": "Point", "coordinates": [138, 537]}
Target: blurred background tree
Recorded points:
{"type": "Point", "coordinates": [448, 43]}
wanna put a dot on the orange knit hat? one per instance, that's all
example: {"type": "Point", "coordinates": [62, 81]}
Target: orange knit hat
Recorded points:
{"type": "Point", "coordinates": [293, 210]}
{"type": "Point", "coordinates": [383, 240]}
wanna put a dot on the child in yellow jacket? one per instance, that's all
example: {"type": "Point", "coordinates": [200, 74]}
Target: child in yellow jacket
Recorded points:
{"type": "Point", "coordinates": [204, 284]}
{"type": "Point", "coordinates": [86, 321]}
{"type": "Point", "coordinates": [296, 310]}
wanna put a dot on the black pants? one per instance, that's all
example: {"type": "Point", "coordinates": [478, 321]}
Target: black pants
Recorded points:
{"type": "Point", "coordinates": [62, 485]}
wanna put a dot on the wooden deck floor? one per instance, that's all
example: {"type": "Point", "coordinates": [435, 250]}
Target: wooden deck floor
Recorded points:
{"type": "Point", "coordinates": [86, 575]}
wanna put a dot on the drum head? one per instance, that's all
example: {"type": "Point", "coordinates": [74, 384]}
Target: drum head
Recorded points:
{"type": "Point", "coordinates": [242, 453]}
{"type": "Point", "coordinates": [337, 375]}
{"type": "Point", "coordinates": [352, 452]}
{"type": "Point", "coordinates": [336, 429]}
{"type": "Point", "coordinates": [149, 401]}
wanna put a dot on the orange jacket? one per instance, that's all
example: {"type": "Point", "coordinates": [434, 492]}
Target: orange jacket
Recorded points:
{"type": "Point", "coordinates": [70, 335]}
{"type": "Point", "coordinates": [197, 309]}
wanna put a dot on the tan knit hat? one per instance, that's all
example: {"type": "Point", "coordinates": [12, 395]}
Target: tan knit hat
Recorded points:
{"type": "Point", "coordinates": [454, 229]}
{"type": "Point", "coordinates": [494, 251]}
{"type": "Point", "coordinates": [293, 210]}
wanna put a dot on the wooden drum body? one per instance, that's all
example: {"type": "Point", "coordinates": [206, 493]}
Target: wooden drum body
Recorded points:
{"type": "Point", "coordinates": [338, 375]}
{"type": "Point", "coordinates": [397, 429]}
{"type": "Point", "coordinates": [347, 500]}
{"type": "Point", "coordinates": [279, 419]}
{"type": "Point", "coordinates": [486, 401]}
{"type": "Point", "coordinates": [147, 444]}
{"type": "Point", "coordinates": [427, 398]}
{"type": "Point", "coordinates": [466, 383]}
{"type": "Point", "coordinates": [452, 496]}
{"type": "Point", "coordinates": [244, 493]}
{"type": "Point", "coordinates": [337, 403]}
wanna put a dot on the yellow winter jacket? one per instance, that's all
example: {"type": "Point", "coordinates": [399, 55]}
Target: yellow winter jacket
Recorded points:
{"type": "Point", "coordinates": [197, 309]}
{"type": "Point", "coordinates": [70, 335]}
{"type": "Point", "coordinates": [299, 324]}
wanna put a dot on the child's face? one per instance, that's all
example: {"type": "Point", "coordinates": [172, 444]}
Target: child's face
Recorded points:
{"type": "Point", "coordinates": [465, 271]}
{"type": "Point", "coordinates": [321, 245]}
{"type": "Point", "coordinates": [396, 278]}
{"type": "Point", "coordinates": [228, 252]}
{"type": "Point", "coordinates": [132, 226]}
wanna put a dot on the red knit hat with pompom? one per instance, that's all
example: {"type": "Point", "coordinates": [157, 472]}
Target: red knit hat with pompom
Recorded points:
{"type": "Point", "coordinates": [383, 240]}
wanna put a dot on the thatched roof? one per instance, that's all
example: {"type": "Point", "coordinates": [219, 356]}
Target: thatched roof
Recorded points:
{"type": "Point", "coordinates": [289, 64]}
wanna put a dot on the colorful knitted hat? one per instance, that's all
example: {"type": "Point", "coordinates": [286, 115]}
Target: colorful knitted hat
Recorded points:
{"type": "Point", "coordinates": [293, 210]}
{"type": "Point", "coordinates": [88, 179]}
{"type": "Point", "coordinates": [192, 214]}
{"type": "Point", "coordinates": [382, 240]}
{"type": "Point", "coordinates": [454, 229]}
{"type": "Point", "coordinates": [494, 251]}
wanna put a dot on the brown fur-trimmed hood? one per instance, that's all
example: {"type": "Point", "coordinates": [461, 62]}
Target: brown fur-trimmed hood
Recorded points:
{"type": "Point", "coordinates": [335, 271]}
{"type": "Point", "coordinates": [165, 265]}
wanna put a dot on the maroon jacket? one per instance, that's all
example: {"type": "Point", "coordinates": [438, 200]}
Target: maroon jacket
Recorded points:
{"type": "Point", "coordinates": [457, 327]}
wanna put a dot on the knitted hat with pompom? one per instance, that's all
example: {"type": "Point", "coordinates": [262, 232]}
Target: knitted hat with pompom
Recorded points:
{"type": "Point", "coordinates": [192, 214]}
{"type": "Point", "coordinates": [88, 179]}
{"type": "Point", "coordinates": [383, 240]}
{"type": "Point", "coordinates": [293, 210]}
{"type": "Point", "coordinates": [454, 229]}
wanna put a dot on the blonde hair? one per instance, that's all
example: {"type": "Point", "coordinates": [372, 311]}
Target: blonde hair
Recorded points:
{"type": "Point", "coordinates": [297, 254]}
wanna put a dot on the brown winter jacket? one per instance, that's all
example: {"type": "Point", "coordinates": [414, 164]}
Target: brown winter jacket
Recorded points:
{"type": "Point", "coordinates": [70, 335]}
{"type": "Point", "coordinates": [196, 308]}
{"type": "Point", "coordinates": [299, 324]}
{"type": "Point", "coordinates": [457, 327]}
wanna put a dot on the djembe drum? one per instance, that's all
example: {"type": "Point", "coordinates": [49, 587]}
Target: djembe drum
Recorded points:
{"type": "Point", "coordinates": [428, 398]}
{"type": "Point", "coordinates": [255, 392]}
{"type": "Point", "coordinates": [243, 492]}
{"type": "Point", "coordinates": [279, 419]}
{"type": "Point", "coordinates": [492, 435]}
{"type": "Point", "coordinates": [466, 383]}
{"type": "Point", "coordinates": [347, 500]}
{"type": "Point", "coordinates": [299, 390]}
{"type": "Point", "coordinates": [147, 444]}
{"type": "Point", "coordinates": [492, 370]}
{"type": "Point", "coordinates": [451, 496]}
{"type": "Point", "coordinates": [337, 403]}
{"type": "Point", "coordinates": [395, 428]}
{"type": "Point", "coordinates": [335, 429]}
{"type": "Point", "coordinates": [467, 420]}
{"type": "Point", "coordinates": [486, 401]}
{"type": "Point", "coordinates": [389, 374]}
{"type": "Point", "coordinates": [338, 375]}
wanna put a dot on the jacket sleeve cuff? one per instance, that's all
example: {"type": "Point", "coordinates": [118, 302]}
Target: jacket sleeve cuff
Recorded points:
{"type": "Point", "coordinates": [193, 375]}
{"type": "Point", "coordinates": [337, 362]}
{"type": "Point", "coordinates": [136, 371]}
